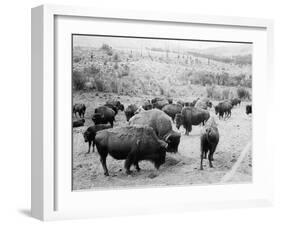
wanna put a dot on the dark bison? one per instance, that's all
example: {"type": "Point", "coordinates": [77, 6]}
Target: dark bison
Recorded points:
{"type": "Point", "coordinates": [191, 116]}
{"type": "Point", "coordinates": [116, 103]}
{"type": "Point", "coordinates": [203, 103]}
{"type": "Point", "coordinates": [90, 134]}
{"type": "Point", "coordinates": [130, 111]}
{"type": "Point", "coordinates": [103, 115]}
{"type": "Point", "coordinates": [147, 105]}
{"type": "Point", "coordinates": [249, 109]}
{"type": "Point", "coordinates": [170, 100]}
{"type": "Point", "coordinates": [172, 110]}
{"type": "Point", "coordinates": [223, 109]}
{"type": "Point", "coordinates": [78, 123]}
{"type": "Point", "coordinates": [133, 143]}
{"type": "Point", "coordinates": [80, 108]}
{"type": "Point", "coordinates": [160, 104]}
{"type": "Point", "coordinates": [162, 125]}
{"type": "Point", "coordinates": [156, 99]}
{"type": "Point", "coordinates": [209, 141]}
{"type": "Point", "coordinates": [235, 101]}
{"type": "Point", "coordinates": [112, 107]}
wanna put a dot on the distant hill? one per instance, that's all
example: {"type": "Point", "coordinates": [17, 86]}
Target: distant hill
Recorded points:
{"type": "Point", "coordinates": [228, 50]}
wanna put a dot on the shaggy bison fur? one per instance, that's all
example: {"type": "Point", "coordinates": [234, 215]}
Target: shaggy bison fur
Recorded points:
{"type": "Point", "coordinates": [172, 110]}
{"type": "Point", "coordinates": [130, 111]}
{"type": "Point", "coordinates": [162, 125]}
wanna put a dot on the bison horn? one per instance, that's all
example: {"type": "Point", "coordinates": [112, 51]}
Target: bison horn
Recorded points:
{"type": "Point", "coordinates": [167, 137]}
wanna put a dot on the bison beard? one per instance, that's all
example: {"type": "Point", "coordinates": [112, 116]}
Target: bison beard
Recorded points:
{"type": "Point", "coordinates": [132, 143]}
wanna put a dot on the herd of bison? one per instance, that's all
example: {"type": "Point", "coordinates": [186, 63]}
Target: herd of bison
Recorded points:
{"type": "Point", "coordinates": [148, 133]}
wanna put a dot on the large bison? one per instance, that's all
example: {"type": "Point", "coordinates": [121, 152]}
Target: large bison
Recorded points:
{"type": "Point", "coordinates": [133, 143]}
{"type": "Point", "coordinates": [78, 123]}
{"type": "Point", "coordinates": [203, 103]}
{"type": "Point", "coordinates": [116, 103]}
{"type": "Point", "coordinates": [172, 110]}
{"type": "Point", "coordinates": [191, 116]}
{"type": "Point", "coordinates": [103, 115]}
{"type": "Point", "coordinates": [114, 108]}
{"type": "Point", "coordinates": [209, 140]}
{"type": "Point", "coordinates": [223, 109]}
{"type": "Point", "coordinates": [162, 125]}
{"type": "Point", "coordinates": [130, 111]}
{"type": "Point", "coordinates": [90, 134]}
{"type": "Point", "coordinates": [235, 101]}
{"type": "Point", "coordinates": [80, 108]}
{"type": "Point", "coordinates": [249, 109]}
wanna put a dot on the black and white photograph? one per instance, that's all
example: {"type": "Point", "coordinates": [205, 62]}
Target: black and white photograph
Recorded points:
{"type": "Point", "coordinates": [152, 112]}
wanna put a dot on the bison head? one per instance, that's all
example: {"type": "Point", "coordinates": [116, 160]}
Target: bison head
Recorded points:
{"type": "Point", "coordinates": [217, 109]}
{"type": "Point", "coordinates": [173, 140]}
{"type": "Point", "coordinates": [179, 120]}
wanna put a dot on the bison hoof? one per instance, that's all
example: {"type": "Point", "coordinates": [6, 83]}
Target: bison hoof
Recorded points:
{"type": "Point", "coordinates": [129, 172]}
{"type": "Point", "coordinates": [106, 174]}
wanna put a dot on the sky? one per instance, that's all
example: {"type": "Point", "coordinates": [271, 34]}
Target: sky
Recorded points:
{"type": "Point", "coordinates": [138, 43]}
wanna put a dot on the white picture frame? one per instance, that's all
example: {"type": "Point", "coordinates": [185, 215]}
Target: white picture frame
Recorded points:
{"type": "Point", "coordinates": [45, 161]}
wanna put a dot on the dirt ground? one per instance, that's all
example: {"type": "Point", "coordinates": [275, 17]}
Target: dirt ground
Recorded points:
{"type": "Point", "coordinates": [181, 168]}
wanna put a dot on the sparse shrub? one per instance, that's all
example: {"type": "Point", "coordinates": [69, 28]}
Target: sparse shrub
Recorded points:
{"type": "Point", "coordinates": [116, 66]}
{"type": "Point", "coordinates": [78, 80]}
{"type": "Point", "coordinates": [243, 93]}
{"type": "Point", "coordinates": [213, 92]}
{"type": "Point", "coordinates": [100, 85]}
{"type": "Point", "coordinates": [107, 48]}
{"type": "Point", "coordinates": [115, 57]}
{"type": "Point", "coordinates": [225, 93]}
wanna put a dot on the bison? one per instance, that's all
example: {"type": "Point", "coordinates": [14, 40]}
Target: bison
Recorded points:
{"type": "Point", "coordinates": [162, 125]}
{"type": "Point", "coordinates": [223, 109]}
{"type": "Point", "coordinates": [80, 108]}
{"type": "Point", "coordinates": [160, 104]}
{"type": "Point", "coordinates": [116, 103]}
{"type": "Point", "coordinates": [78, 123]}
{"type": "Point", "coordinates": [112, 107]}
{"type": "Point", "coordinates": [103, 115]}
{"type": "Point", "coordinates": [203, 103]}
{"type": "Point", "coordinates": [90, 134]}
{"type": "Point", "coordinates": [172, 110]}
{"type": "Point", "coordinates": [191, 116]}
{"type": "Point", "coordinates": [249, 109]}
{"type": "Point", "coordinates": [235, 101]}
{"type": "Point", "coordinates": [130, 111]}
{"type": "Point", "coordinates": [209, 140]}
{"type": "Point", "coordinates": [132, 143]}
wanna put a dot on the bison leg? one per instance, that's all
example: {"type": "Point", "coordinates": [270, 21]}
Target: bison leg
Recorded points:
{"type": "Point", "coordinates": [137, 166]}
{"type": "Point", "coordinates": [201, 162]}
{"type": "Point", "coordinates": [129, 161]}
{"type": "Point", "coordinates": [111, 123]}
{"type": "Point", "coordinates": [93, 146]}
{"type": "Point", "coordinates": [210, 160]}
{"type": "Point", "coordinates": [90, 142]}
{"type": "Point", "coordinates": [103, 162]}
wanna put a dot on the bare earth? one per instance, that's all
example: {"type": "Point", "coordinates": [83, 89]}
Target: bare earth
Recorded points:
{"type": "Point", "coordinates": [179, 169]}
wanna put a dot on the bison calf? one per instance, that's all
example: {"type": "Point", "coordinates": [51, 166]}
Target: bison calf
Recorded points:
{"type": "Point", "coordinates": [80, 108]}
{"type": "Point", "coordinates": [132, 143]}
{"type": "Point", "coordinates": [209, 141]}
{"type": "Point", "coordinates": [90, 134]}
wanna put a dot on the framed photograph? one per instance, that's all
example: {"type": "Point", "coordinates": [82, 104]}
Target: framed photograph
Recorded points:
{"type": "Point", "coordinates": [137, 112]}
